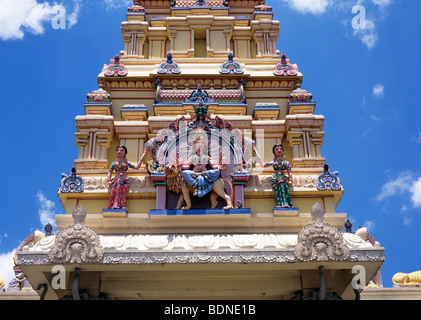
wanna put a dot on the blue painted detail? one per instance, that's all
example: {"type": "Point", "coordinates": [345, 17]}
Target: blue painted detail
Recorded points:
{"type": "Point", "coordinates": [266, 108]}
{"type": "Point", "coordinates": [199, 95]}
{"type": "Point", "coordinates": [134, 107]}
{"type": "Point", "coordinates": [193, 212]}
{"type": "Point", "coordinates": [328, 181]}
{"type": "Point", "coordinates": [285, 209]}
{"type": "Point", "coordinates": [97, 104]}
{"type": "Point", "coordinates": [169, 67]}
{"type": "Point", "coordinates": [230, 66]}
{"type": "Point", "coordinates": [72, 183]}
{"type": "Point", "coordinates": [301, 103]}
{"type": "Point", "coordinates": [114, 210]}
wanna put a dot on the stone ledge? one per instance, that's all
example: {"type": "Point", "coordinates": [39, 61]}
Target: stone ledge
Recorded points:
{"type": "Point", "coordinates": [143, 223]}
{"type": "Point", "coordinates": [394, 293]}
{"type": "Point", "coordinates": [19, 295]}
{"type": "Point", "coordinates": [200, 212]}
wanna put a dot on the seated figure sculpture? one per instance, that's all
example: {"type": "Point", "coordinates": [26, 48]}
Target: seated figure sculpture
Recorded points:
{"type": "Point", "coordinates": [193, 174]}
{"type": "Point", "coordinates": [199, 178]}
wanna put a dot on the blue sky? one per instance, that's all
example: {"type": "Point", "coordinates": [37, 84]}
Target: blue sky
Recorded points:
{"type": "Point", "coordinates": [365, 81]}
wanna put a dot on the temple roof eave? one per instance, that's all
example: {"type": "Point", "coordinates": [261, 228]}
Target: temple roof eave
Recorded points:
{"type": "Point", "coordinates": [219, 271]}
{"type": "Point", "coordinates": [129, 258]}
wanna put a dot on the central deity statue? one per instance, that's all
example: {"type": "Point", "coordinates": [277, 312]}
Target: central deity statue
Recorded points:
{"type": "Point", "coordinates": [200, 178]}
{"type": "Point", "coordinates": [199, 174]}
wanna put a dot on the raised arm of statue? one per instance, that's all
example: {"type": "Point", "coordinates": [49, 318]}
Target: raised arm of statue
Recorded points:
{"type": "Point", "coordinates": [139, 164]}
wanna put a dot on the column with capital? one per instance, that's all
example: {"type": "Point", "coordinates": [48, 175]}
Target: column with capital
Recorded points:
{"type": "Point", "coordinates": [93, 139]}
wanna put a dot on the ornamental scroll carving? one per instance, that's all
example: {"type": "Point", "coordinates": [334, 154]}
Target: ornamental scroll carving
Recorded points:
{"type": "Point", "coordinates": [230, 66]}
{"type": "Point", "coordinates": [77, 243]}
{"type": "Point", "coordinates": [72, 183]}
{"type": "Point", "coordinates": [319, 241]}
{"type": "Point", "coordinates": [115, 69]}
{"type": "Point", "coordinates": [169, 67]}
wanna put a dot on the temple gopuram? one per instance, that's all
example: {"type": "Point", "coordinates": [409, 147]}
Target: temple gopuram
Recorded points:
{"type": "Point", "coordinates": [200, 172]}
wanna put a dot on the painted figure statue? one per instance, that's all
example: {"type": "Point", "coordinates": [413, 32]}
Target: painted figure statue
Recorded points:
{"type": "Point", "coordinates": [279, 181]}
{"type": "Point", "coordinates": [120, 183]}
{"type": "Point", "coordinates": [199, 178]}
{"type": "Point", "coordinates": [193, 175]}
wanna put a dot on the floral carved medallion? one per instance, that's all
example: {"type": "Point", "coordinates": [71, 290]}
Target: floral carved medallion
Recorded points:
{"type": "Point", "coordinates": [319, 241]}
{"type": "Point", "coordinates": [77, 243]}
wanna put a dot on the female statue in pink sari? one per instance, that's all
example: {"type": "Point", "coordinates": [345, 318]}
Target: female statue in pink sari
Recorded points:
{"type": "Point", "coordinates": [120, 183]}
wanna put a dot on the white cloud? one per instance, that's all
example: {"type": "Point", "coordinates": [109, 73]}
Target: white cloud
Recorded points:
{"type": "Point", "coordinates": [308, 6]}
{"type": "Point", "coordinates": [399, 185]}
{"type": "Point", "coordinates": [47, 210]}
{"type": "Point", "coordinates": [407, 221]}
{"type": "Point", "coordinates": [403, 184]}
{"type": "Point", "coordinates": [368, 35]}
{"type": "Point", "coordinates": [72, 18]}
{"type": "Point", "coordinates": [416, 193]}
{"type": "Point", "coordinates": [366, 132]}
{"type": "Point", "coordinates": [382, 3]}
{"type": "Point", "coordinates": [20, 16]}
{"type": "Point", "coordinates": [112, 4]}
{"type": "Point", "coordinates": [364, 14]}
{"type": "Point", "coordinates": [3, 236]}
{"type": "Point", "coordinates": [6, 267]}
{"type": "Point", "coordinates": [378, 90]}
{"type": "Point", "coordinates": [370, 225]}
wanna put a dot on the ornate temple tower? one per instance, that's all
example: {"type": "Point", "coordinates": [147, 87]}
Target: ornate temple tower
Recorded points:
{"type": "Point", "coordinates": [206, 222]}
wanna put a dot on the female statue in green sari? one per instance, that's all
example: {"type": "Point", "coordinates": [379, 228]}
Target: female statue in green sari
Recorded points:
{"type": "Point", "coordinates": [279, 181]}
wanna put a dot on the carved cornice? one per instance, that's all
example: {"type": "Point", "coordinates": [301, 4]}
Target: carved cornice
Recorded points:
{"type": "Point", "coordinates": [135, 257]}
{"type": "Point", "coordinates": [200, 257]}
{"type": "Point", "coordinates": [182, 81]}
